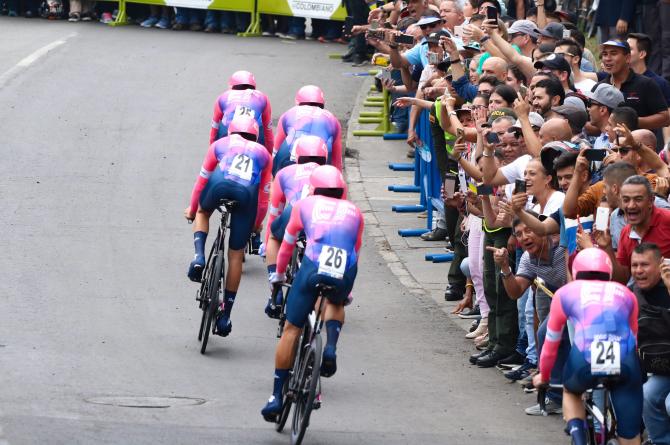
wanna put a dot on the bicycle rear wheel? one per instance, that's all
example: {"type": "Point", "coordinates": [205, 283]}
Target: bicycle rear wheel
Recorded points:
{"type": "Point", "coordinates": [286, 407]}
{"type": "Point", "coordinates": [306, 391]}
{"type": "Point", "coordinates": [203, 296]}
{"type": "Point", "coordinates": [214, 287]}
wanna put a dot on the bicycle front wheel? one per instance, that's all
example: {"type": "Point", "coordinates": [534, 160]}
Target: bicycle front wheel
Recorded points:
{"type": "Point", "coordinates": [306, 392]}
{"type": "Point", "coordinates": [214, 287]}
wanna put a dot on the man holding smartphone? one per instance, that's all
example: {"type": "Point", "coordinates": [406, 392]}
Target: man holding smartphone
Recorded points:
{"type": "Point", "coordinates": [602, 101]}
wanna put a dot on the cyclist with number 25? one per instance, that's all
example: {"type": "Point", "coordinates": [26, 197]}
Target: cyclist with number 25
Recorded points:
{"type": "Point", "coordinates": [333, 229]}
{"type": "Point", "coordinates": [604, 315]}
{"type": "Point", "coordinates": [239, 169]}
{"type": "Point", "coordinates": [242, 99]}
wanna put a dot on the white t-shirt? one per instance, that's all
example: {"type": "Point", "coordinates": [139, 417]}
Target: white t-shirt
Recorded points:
{"type": "Point", "coordinates": [585, 85]}
{"type": "Point", "coordinates": [554, 203]}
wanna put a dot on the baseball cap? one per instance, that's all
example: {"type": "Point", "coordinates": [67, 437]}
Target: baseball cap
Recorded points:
{"type": "Point", "coordinates": [576, 117]}
{"type": "Point", "coordinates": [551, 150]}
{"type": "Point", "coordinates": [618, 44]}
{"type": "Point", "coordinates": [500, 112]}
{"type": "Point", "coordinates": [553, 30]}
{"type": "Point", "coordinates": [524, 27]}
{"type": "Point", "coordinates": [427, 20]}
{"type": "Point", "coordinates": [535, 120]}
{"type": "Point", "coordinates": [605, 94]}
{"type": "Point", "coordinates": [567, 16]}
{"type": "Point", "coordinates": [434, 37]}
{"type": "Point", "coordinates": [554, 62]}
{"type": "Point", "coordinates": [576, 102]}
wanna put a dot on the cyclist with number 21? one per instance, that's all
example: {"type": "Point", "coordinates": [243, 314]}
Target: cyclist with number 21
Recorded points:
{"type": "Point", "coordinates": [604, 314]}
{"type": "Point", "coordinates": [333, 230]}
{"type": "Point", "coordinates": [237, 168]}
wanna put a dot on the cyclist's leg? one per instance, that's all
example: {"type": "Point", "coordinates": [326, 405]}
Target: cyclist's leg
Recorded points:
{"type": "Point", "coordinates": [209, 199]}
{"type": "Point", "coordinates": [577, 379]}
{"type": "Point", "coordinates": [241, 223]}
{"type": "Point", "coordinates": [298, 308]}
{"type": "Point", "coordinates": [272, 249]}
{"type": "Point", "coordinates": [627, 401]}
{"type": "Point", "coordinates": [334, 317]}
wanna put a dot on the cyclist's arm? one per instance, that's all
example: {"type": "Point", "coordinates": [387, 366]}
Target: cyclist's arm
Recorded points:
{"type": "Point", "coordinates": [634, 313]}
{"type": "Point", "coordinates": [266, 119]}
{"type": "Point", "coordinates": [359, 238]}
{"type": "Point", "coordinates": [206, 170]}
{"type": "Point", "coordinates": [263, 193]}
{"type": "Point", "coordinates": [280, 137]}
{"type": "Point", "coordinates": [555, 325]}
{"type": "Point", "coordinates": [216, 121]}
{"type": "Point", "coordinates": [290, 235]}
{"type": "Point", "coordinates": [336, 156]}
{"type": "Point", "coordinates": [277, 201]}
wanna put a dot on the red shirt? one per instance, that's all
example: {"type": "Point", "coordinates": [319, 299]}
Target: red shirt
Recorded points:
{"type": "Point", "coordinates": [658, 233]}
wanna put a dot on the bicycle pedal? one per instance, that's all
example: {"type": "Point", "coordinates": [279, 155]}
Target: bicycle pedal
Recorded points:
{"type": "Point", "coordinates": [317, 402]}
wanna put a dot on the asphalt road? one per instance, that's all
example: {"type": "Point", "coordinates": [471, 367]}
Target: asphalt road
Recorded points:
{"type": "Point", "coordinates": [103, 132]}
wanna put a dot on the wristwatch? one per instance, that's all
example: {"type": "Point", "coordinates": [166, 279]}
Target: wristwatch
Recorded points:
{"type": "Point", "coordinates": [506, 275]}
{"type": "Point", "coordinates": [453, 113]}
{"type": "Point", "coordinates": [487, 155]}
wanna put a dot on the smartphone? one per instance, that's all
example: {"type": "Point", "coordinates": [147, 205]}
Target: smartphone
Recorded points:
{"type": "Point", "coordinates": [492, 138]}
{"type": "Point", "coordinates": [458, 31]}
{"type": "Point", "coordinates": [566, 33]}
{"type": "Point", "coordinates": [348, 25]}
{"type": "Point", "coordinates": [460, 133]}
{"type": "Point", "coordinates": [374, 25]}
{"type": "Point", "coordinates": [376, 34]}
{"type": "Point", "coordinates": [433, 58]}
{"type": "Point", "coordinates": [491, 13]}
{"type": "Point", "coordinates": [523, 90]}
{"type": "Point", "coordinates": [519, 186]}
{"type": "Point", "coordinates": [450, 185]}
{"type": "Point", "coordinates": [602, 218]}
{"type": "Point", "coordinates": [593, 154]}
{"type": "Point", "coordinates": [404, 39]}
{"type": "Point", "coordinates": [666, 261]}
{"type": "Point", "coordinates": [384, 75]}
{"type": "Point", "coordinates": [484, 189]}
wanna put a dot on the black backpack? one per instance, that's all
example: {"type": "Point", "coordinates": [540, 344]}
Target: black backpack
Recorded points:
{"type": "Point", "coordinates": [653, 338]}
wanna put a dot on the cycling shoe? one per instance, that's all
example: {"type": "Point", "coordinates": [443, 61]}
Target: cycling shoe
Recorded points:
{"type": "Point", "coordinates": [223, 326]}
{"type": "Point", "coordinates": [328, 362]}
{"type": "Point", "coordinates": [276, 311]}
{"type": "Point", "coordinates": [255, 243]}
{"type": "Point", "coordinates": [195, 268]}
{"type": "Point", "coordinates": [272, 409]}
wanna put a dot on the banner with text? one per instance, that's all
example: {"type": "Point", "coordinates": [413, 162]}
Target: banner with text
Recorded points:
{"type": "Point", "coordinates": [316, 9]}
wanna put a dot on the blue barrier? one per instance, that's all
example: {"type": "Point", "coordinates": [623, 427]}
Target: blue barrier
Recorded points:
{"type": "Point", "coordinates": [395, 136]}
{"type": "Point", "coordinates": [404, 188]}
{"type": "Point", "coordinates": [401, 167]}
{"type": "Point", "coordinates": [439, 257]}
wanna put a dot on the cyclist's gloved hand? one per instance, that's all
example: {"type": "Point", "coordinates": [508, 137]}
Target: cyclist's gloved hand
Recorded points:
{"type": "Point", "coordinates": [277, 277]}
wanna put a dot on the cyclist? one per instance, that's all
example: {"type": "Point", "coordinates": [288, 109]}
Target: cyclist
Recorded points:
{"type": "Point", "coordinates": [307, 117]}
{"type": "Point", "coordinates": [242, 99]}
{"type": "Point", "coordinates": [290, 185]}
{"type": "Point", "coordinates": [333, 228]}
{"type": "Point", "coordinates": [243, 174]}
{"type": "Point", "coordinates": [604, 315]}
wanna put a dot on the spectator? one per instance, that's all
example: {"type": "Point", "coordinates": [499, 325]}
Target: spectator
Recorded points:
{"type": "Point", "coordinates": [572, 52]}
{"type": "Point", "coordinates": [576, 118]}
{"type": "Point", "coordinates": [640, 93]}
{"type": "Point", "coordinates": [651, 280]}
{"type": "Point", "coordinates": [613, 18]}
{"type": "Point", "coordinates": [159, 17]}
{"type": "Point", "coordinates": [190, 18]}
{"type": "Point", "coordinates": [551, 33]}
{"type": "Point", "coordinates": [602, 101]}
{"type": "Point", "coordinates": [548, 93]}
{"type": "Point", "coordinates": [515, 78]}
{"type": "Point", "coordinates": [451, 12]}
{"type": "Point", "coordinates": [646, 223]}
{"type": "Point", "coordinates": [503, 96]}
{"type": "Point", "coordinates": [523, 34]}
{"type": "Point", "coordinates": [558, 66]}
{"type": "Point", "coordinates": [80, 10]}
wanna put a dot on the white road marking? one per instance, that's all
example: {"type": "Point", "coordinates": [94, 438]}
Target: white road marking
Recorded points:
{"type": "Point", "coordinates": [32, 58]}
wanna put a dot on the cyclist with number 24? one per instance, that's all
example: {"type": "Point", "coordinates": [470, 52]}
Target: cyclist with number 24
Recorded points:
{"type": "Point", "coordinates": [333, 230]}
{"type": "Point", "coordinates": [237, 168]}
{"type": "Point", "coordinates": [604, 314]}
{"type": "Point", "coordinates": [289, 186]}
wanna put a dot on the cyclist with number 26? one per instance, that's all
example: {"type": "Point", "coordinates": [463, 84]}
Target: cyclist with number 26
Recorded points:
{"type": "Point", "coordinates": [604, 314]}
{"type": "Point", "coordinates": [290, 185]}
{"type": "Point", "coordinates": [333, 230]}
{"type": "Point", "coordinates": [239, 169]}
{"type": "Point", "coordinates": [242, 99]}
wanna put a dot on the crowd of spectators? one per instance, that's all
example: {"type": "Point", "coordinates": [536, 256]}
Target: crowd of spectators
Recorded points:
{"type": "Point", "coordinates": [552, 149]}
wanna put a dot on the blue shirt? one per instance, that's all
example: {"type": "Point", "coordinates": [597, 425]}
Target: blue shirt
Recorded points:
{"type": "Point", "coordinates": [418, 54]}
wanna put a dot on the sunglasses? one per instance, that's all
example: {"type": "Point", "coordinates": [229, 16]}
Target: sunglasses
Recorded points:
{"type": "Point", "coordinates": [623, 151]}
{"type": "Point", "coordinates": [429, 25]}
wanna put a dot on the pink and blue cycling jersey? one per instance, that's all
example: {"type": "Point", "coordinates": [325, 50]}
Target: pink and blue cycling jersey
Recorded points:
{"type": "Point", "coordinates": [307, 120]}
{"type": "Point", "coordinates": [248, 102]}
{"type": "Point", "coordinates": [329, 224]}
{"type": "Point", "coordinates": [290, 185]}
{"type": "Point", "coordinates": [239, 160]}
{"type": "Point", "coordinates": [598, 310]}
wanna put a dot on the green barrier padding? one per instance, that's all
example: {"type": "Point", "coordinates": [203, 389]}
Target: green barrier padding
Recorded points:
{"type": "Point", "coordinates": [370, 120]}
{"type": "Point", "coordinates": [321, 9]}
{"type": "Point", "coordinates": [374, 99]}
{"type": "Point", "coordinates": [335, 56]}
{"type": "Point", "coordinates": [371, 114]}
{"type": "Point", "coordinates": [368, 133]}
{"type": "Point", "coordinates": [373, 104]}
